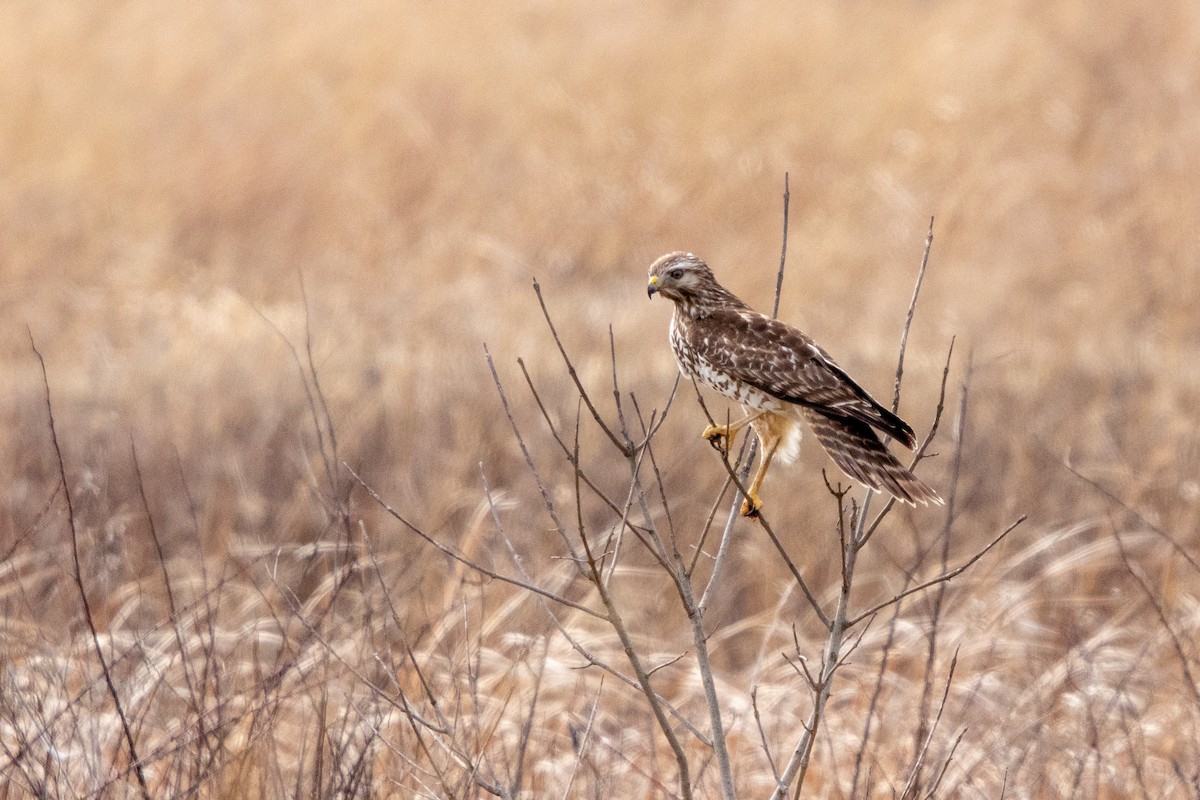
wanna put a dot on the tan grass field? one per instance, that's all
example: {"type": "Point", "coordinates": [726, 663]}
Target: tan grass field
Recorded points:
{"type": "Point", "coordinates": [170, 174]}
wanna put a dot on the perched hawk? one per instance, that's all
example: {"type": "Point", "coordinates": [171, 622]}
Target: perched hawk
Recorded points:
{"type": "Point", "coordinates": [780, 376]}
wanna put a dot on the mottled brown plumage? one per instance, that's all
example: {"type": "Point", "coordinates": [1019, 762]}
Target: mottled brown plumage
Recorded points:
{"type": "Point", "coordinates": [779, 375]}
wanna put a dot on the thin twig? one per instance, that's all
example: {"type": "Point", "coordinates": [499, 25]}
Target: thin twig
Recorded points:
{"type": "Point", "coordinates": [184, 665]}
{"type": "Point", "coordinates": [452, 747]}
{"type": "Point", "coordinates": [648, 448]}
{"type": "Point", "coordinates": [912, 307]}
{"type": "Point", "coordinates": [625, 447]}
{"type": "Point", "coordinates": [952, 574]}
{"type": "Point", "coordinates": [787, 196]}
{"type": "Point", "coordinates": [734, 507]}
{"type": "Point", "coordinates": [587, 656]}
{"type": "Point", "coordinates": [920, 454]}
{"type": "Point", "coordinates": [696, 618]}
{"type": "Point", "coordinates": [643, 679]}
{"type": "Point", "coordinates": [762, 734]}
{"type": "Point", "coordinates": [537, 398]}
{"type": "Point", "coordinates": [1157, 529]}
{"type": "Point", "coordinates": [546, 501]}
{"type": "Point", "coordinates": [749, 448]}
{"type": "Point", "coordinates": [939, 596]}
{"type": "Point", "coordinates": [873, 706]}
{"type": "Point", "coordinates": [722, 551]}
{"type": "Point", "coordinates": [304, 371]}
{"type": "Point", "coordinates": [853, 535]}
{"type": "Point", "coordinates": [475, 565]}
{"type": "Point", "coordinates": [595, 572]}
{"type": "Point", "coordinates": [914, 775]}
{"type": "Point", "coordinates": [329, 458]}
{"type": "Point", "coordinates": [1188, 679]}
{"type": "Point", "coordinates": [706, 529]}
{"type": "Point", "coordinates": [527, 726]}
{"type": "Point", "coordinates": [581, 747]}
{"type": "Point", "coordinates": [612, 352]}
{"type": "Point", "coordinates": [78, 576]}
{"type": "Point", "coordinates": [937, 782]}
{"type": "Point", "coordinates": [673, 564]}
{"type": "Point", "coordinates": [797, 767]}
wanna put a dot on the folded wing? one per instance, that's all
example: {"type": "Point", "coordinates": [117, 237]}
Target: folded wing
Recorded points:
{"type": "Point", "coordinates": [785, 363]}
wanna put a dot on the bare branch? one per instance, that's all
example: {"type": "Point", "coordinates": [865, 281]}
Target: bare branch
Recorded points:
{"type": "Point", "coordinates": [698, 547]}
{"type": "Point", "coordinates": [876, 692]}
{"type": "Point", "coordinates": [696, 618]}
{"type": "Point", "coordinates": [727, 532]}
{"type": "Point", "coordinates": [581, 747]}
{"type": "Point", "coordinates": [939, 595]}
{"type": "Point", "coordinates": [309, 393]}
{"type": "Point", "coordinates": [614, 619]}
{"type": "Point", "coordinates": [475, 565]}
{"type": "Point", "coordinates": [595, 573]}
{"type": "Point", "coordinates": [77, 574]}
{"type": "Point", "coordinates": [648, 449]}
{"type": "Point", "coordinates": [558, 526]}
{"type": "Point", "coordinates": [912, 307]}
{"type": "Point", "coordinates": [1188, 679]}
{"type": "Point", "coordinates": [921, 450]}
{"type": "Point", "coordinates": [1157, 529]}
{"type": "Point", "coordinates": [591, 659]}
{"type": "Point", "coordinates": [787, 196]}
{"type": "Point", "coordinates": [514, 788]}
{"type": "Point", "coordinates": [947, 576]}
{"type": "Point", "coordinates": [559, 440]}
{"type": "Point", "coordinates": [612, 352]}
{"type": "Point", "coordinates": [626, 447]}
{"type": "Point", "coordinates": [937, 782]}
{"type": "Point", "coordinates": [914, 774]}
{"type": "Point", "coordinates": [330, 457]}
{"type": "Point", "coordinates": [722, 551]}
{"type": "Point", "coordinates": [762, 734]}
{"type": "Point", "coordinates": [185, 667]}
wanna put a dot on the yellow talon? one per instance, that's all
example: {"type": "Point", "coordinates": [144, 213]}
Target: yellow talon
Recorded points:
{"type": "Point", "coordinates": [715, 433]}
{"type": "Point", "coordinates": [752, 505]}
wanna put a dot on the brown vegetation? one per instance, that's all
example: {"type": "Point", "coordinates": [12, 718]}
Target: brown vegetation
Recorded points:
{"type": "Point", "coordinates": [176, 180]}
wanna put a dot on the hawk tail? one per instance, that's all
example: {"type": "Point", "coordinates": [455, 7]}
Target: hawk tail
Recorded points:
{"type": "Point", "coordinates": [855, 448]}
{"type": "Point", "coordinates": [895, 427]}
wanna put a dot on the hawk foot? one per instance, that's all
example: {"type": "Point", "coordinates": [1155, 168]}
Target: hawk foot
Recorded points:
{"type": "Point", "coordinates": [752, 506]}
{"type": "Point", "coordinates": [717, 436]}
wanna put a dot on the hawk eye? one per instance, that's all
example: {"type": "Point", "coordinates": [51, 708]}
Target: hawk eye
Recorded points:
{"type": "Point", "coordinates": [676, 274]}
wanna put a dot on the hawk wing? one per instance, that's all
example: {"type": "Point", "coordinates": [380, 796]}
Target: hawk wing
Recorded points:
{"type": "Point", "coordinates": [782, 361]}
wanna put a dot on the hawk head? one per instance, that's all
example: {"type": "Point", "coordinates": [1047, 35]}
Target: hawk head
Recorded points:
{"type": "Point", "coordinates": [681, 277]}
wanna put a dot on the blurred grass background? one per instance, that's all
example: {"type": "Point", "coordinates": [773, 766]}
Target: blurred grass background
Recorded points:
{"type": "Point", "coordinates": [168, 174]}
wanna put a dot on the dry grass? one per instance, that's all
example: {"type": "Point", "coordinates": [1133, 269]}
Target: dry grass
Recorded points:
{"type": "Point", "coordinates": [168, 173]}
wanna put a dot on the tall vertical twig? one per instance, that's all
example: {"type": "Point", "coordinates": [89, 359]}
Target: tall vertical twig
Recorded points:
{"type": "Point", "coordinates": [939, 596]}
{"type": "Point", "coordinates": [912, 308]}
{"type": "Point", "coordinates": [77, 574]}
{"type": "Point", "coordinates": [787, 197]}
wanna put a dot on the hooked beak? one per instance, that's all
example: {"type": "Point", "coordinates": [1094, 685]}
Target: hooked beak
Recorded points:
{"type": "Point", "coordinates": [652, 287]}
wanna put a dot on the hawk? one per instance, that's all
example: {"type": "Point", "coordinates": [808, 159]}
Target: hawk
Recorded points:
{"type": "Point", "coordinates": [779, 376]}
